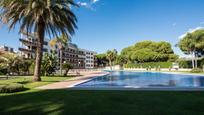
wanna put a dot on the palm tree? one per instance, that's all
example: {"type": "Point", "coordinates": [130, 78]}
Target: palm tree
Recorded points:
{"type": "Point", "coordinates": [61, 42]}
{"type": "Point", "coordinates": [49, 63]}
{"type": "Point", "coordinates": [11, 62]}
{"type": "Point", "coordinates": [52, 17]}
{"type": "Point", "coordinates": [111, 56]}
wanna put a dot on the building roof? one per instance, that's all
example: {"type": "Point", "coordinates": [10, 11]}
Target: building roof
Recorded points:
{"type": "Point", "coordinates": [88, 51]}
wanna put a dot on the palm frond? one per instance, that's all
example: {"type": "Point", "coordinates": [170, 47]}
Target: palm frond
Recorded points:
{"type": "Point", "coordinates": [56, 14]}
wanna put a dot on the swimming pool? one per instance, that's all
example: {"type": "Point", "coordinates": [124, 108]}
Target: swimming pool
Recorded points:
{"type": "Point", "coordinates": [144, 80]}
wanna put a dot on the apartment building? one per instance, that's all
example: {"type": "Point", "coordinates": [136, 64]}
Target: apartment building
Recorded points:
{"type": "Point", "coordinates": [28, 45]}
{"type": "Point", "coordinates": [7, 49]}
{"type": "Point", "coordinates": [89, 58]}
{"type": "Point", "coordinates": [72, 55]}
{"type": "Point", "coordinates": [78, 58]}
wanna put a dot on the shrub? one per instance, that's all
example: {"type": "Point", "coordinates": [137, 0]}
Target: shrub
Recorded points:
{"type": "Point", "coordinates": [3, 70]}
{"type": "Point", "coordinates": [10, 88]}
{"type": "Point", "coordinates": [66, 67]}
{"type": "Point", "coordinates": [185, 64]}
{"type": "Point", "coordinates": [150, 64]}
{"type": "Point", "coordinates": [201, 63]}
{"type": "Point", "coordinates": [188, 63]}
{"type": "Point", "coordinates": [196, 70]}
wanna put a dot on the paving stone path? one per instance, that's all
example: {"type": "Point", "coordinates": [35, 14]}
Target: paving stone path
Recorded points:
{"type": "Point", "coordinates": [72, 82]}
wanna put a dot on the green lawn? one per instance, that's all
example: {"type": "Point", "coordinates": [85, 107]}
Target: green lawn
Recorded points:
{"type": "Point", "coordinates": [27, 81]}
{"type": "Point", "coordinates": [73, 102]}
{"type": "Point", "coordinates": [81, 102]}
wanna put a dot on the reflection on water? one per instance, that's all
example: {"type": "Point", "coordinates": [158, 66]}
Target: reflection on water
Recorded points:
{"type": "Point", "coordinates": [146, 79]}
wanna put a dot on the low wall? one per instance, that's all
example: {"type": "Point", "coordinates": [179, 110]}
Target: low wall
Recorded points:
{"type": "Point", "coordinates": [116, 67]}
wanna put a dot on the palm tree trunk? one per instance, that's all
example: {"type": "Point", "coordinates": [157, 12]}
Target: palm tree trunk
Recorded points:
{"type": "Point", "coordinates": [39, 53]}
{"type": "Point", "coordinates": [60, 61]}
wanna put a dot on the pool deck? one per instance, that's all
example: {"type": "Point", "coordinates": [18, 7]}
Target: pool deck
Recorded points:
{"type": "Point", "coordinates": [74, 81]}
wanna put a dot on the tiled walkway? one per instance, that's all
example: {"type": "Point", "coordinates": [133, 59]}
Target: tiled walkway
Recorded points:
{"type": "Point", "coordinates": [72, 82]}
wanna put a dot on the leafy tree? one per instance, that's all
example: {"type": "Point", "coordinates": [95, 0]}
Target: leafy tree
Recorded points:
{"type": "Point", "coordinates": [111, 56]}
{"type": "Point", "coordinates": [121, 60]}
{"type": "Point", "coordinates": [187, 45]}
{"type": "Point", "coordinates": [148, 51]}
{"type": "Point", "coordinates": [173, 58]}
{"type": "Point", "coordinates": [144, 55]}
{"type": "Point", "coordinates": [60, 43]}
{"type": "Point", "coordinates": [163, 48]}
{"type": "Point", "coordinates": [67, 67]}
{"type": "Point", "coordinates": [102, 60]}
{"type": "Point", "coordinates": [127, 52]}
{"type": "Point", "coordinates": [24, 66]}
{"type": "Point", "coordinates": [193, 44]}
{"type": "Point", "coordinates": [53, 17]}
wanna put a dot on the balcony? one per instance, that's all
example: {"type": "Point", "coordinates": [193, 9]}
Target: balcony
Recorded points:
{"type": "Point", "coordinates": [31, 51]}
{"type": "Point", "coordinates": [27, 42]}
{"type": "Point", "coordinates": [31, 43]}
{"type": "Point", "coordinates": [26, 50]}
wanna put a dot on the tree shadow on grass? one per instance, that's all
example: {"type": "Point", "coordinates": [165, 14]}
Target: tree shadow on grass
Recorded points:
{"type": "Point", "coordinates": [27, 82]}
{"type": "Point", "coordinates": [32, 103]}
{"type": "Point", "coordinates": [76, 102]}
{"type": "Point", "coordinates": [24, 82]}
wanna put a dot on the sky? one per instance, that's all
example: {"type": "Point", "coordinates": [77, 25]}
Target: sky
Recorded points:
{"type": "Point", "coordinates": [116, 24]}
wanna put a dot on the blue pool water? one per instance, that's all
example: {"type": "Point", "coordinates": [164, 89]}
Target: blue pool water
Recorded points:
{"type": "Point", "coordinates": [145, 80]}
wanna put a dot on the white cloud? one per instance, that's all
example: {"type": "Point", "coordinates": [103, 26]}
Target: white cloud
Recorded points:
{"type": "Point", "coordinates": [94, 1]}
{"type": "Point", "coordinates": [82, 3]}
{"type": "Point", "coordinates": [89, 4]}
{"type": "Point", "coordinates": [182, 36]}
{"type": "Point", "coordinates": [190, 31]}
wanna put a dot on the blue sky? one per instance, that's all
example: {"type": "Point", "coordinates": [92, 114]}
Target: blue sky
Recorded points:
{"type": "Point", "coordinates": [109, 24]}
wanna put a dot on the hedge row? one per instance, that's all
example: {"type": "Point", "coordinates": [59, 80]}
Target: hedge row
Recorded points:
{"type": "Point", "coordinates": [10, 88]}
{"type": "Point", "coordinates": [150, 64]}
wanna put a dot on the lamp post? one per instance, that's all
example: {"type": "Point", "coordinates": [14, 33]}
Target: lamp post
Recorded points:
{"type": "Point", "coordinates": [79, 63]}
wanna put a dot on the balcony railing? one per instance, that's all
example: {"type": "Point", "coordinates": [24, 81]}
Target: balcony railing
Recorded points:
{"type": "Point", "coordinates": [31, 43]}
{"type": "Point", "coordinates": [26, 50]}
{"type": "Point", "coordinates": [31, 51]}
{"type": "Point", "coordinates": [27, 42]}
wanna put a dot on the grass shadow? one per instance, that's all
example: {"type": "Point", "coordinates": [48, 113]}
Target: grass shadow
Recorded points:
{"type": "Point", "coordinates": [24, 82]}
{"type": "Point", "coordinates": [76, 102]}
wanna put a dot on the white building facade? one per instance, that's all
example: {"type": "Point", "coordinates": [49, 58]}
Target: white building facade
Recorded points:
{"type": "Point", "coordinates": [89, 58]}
{"type": "Point", "coordinates": [78, 58]}
{"type": "Point", "coordinates": [6, 49]}
{"type": "Point", "coordinates": [28, 45]}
